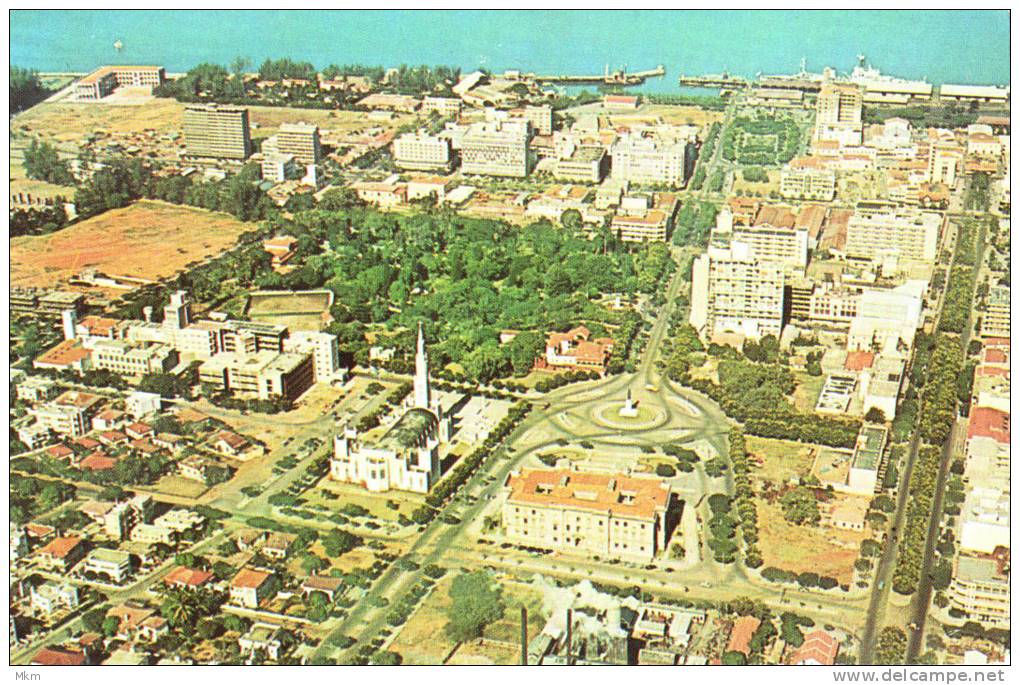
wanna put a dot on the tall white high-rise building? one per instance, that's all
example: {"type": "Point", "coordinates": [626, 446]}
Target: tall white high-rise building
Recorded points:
{"type": "Point", "coordinates": [421, 373]}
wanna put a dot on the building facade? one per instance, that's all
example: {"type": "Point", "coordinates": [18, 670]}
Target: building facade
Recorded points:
{"type": "Point", "coordinates": [496, 148]}
{"type": "Point", "coordinates": [217, 131]}
{"type": "Point", "coordinates": [609, 516]}
{"type": "Point", "coordinates": [421, 152]}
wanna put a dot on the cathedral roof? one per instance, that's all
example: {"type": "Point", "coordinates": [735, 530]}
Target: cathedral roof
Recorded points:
{"type": "Point", "coordinates": [409, 430]}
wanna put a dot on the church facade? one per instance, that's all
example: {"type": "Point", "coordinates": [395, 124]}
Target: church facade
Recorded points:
{"type": "Point", "coordinates": [406, 457]}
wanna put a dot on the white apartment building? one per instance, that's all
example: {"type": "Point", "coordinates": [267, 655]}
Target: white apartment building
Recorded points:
{"type": "Point", "coordinates": [880, 229]}
{"type": "Point", "coordinates": [995, 318]}
{"type": "Point", "coordinates": [639, 159]}
{"type": "Point", "coordinates": [444, 107]}
{"type": "Point", "coordinates": [323, 348]}
{"type": "Point", "coordinates": [732, 292]}
{"type": "Point", "coordinates": [807, 183]}
{"type": "Point", "coordinates": [887, 320]}
{"type": "Point", "coordinates": [497, 148]}
{"type": "Point", "coordinates": [113, 563]}
{"type": "Point", "coordinates": [125, 358]}
{"type": "Point", "coordinates": [421, 152]}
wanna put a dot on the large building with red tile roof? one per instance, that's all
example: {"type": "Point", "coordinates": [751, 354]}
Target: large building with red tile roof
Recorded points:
{"type": "Point", "coordinates": [610, 516]}
{"type": "Point", "coordinates": [576, 351]}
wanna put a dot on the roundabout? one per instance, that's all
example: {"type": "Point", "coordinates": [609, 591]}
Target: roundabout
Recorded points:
{"type": "Point", "coordinates": [607, 415]}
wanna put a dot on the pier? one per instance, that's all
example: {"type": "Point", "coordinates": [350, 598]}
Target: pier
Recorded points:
{"type": "Point", "coordinates": [722, 80]}
{"type": "Point", "coordinates": [619, 77]}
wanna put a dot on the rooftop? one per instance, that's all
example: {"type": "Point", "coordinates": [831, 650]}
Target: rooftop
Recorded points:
{"type": "Point", "coordinates": [409, 430]}
{"type": "Point", "coordinates": [250, 578]}
{"type": "Point", "coordinates": [65, 353]}
{"type": "Point", "coordinates": [617, 495]}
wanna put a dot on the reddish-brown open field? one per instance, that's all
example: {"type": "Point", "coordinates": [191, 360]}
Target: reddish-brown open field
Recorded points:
{"type": "Point", "coordinates": [151, 240]}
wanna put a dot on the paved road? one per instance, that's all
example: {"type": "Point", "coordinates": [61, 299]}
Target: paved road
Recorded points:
{"type": "Point", "coordinates": [922, 598]}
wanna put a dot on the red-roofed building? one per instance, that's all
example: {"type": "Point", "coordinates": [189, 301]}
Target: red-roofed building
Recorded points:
{"type": "Point", "coordinates": [62, 553]}
{"type": "Point", "coordinates": [859, 360]}
{"type": "Point", "coordinates": [58, 656]}
{"type": "Point", "coordinates": [67, 354]}
{"type": "Point", "coordinates": [988, 423]}
{"type": "Point", "coordinates": [59, 452]}
{"type": "Point", "coordinates": [819, 649]}
{"type": "Point", "coordinates": [621, 102]}
{"type": "Point", "coordinates": [97, 461]}
{"type": "Point", "coordinates": [140, 430]}
{"type": "Point", "coordinates": [113, 438]}
{"type": "Point", "coordinates": [574, 350]}
{"type": "Point", "coordinates": [185, 577]}
{"type": "Point", "coordinates": [250, 587]}
{"type": "Point", "coordinates": [740, 637]}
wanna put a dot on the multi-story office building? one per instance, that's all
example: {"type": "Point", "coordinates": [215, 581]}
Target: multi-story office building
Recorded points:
{"type": "Point", "coordinates": [609, 516]}
{"type": "Point", "coordinates": [732, 292]}
{"type": "Point", "coordinates": [300, 141]}
{"type": "Point", "coordinates": [497, 148]}
{"type": "Point", "coordinates": [878, 230]}
{"type": "Point", "coordinates": [322, 347]}
{"type": "Point", "coordinates": [444, 107]}
{"type": "Point", "coordinates": [945, 159]}
{"type": "Point", "coordinates": [130, 359]}
{"type": "Point", "coordinates": [217, 131]}
{"type": "Point", "coordinates": [279, 168]}
{"type": "Point", "coordinates": [265, 374]}
{"type": "Point", "coordinates": [807, 183]}
{"type": "Point", "coordinates": [773, 235]}
{"type": "Point", "coordinates": [70, 414]}
{"type": "Point", "coordinates": [839, 110]}
{"type": "Point", "coordinates": [584, 164]}
{"type": "Point", "coordinates": [105, 80]}
{"type": "Point", "coordinates": [887, 319]}
{"type": "Point", "coordinates": [840, 103]}
{"type": "Point", "coordinates": [541, 118]}
{"type": "Point", "coordinates": [995, 319]}
{"type": "Point", "coordinates": [646, 217]}
{"type": "Point", "coordinates": [421, 152]}
{"type": "Point", "coordinates": [639, 159]}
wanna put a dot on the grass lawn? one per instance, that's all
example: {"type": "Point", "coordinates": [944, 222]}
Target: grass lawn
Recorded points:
{"type": "Point", "coordinates": [805, 396]}
{"type": "Point", "coordinates": [755, 188]}
{"type": "Point", "coordinates": [148, 239]}
{"type": "Point", "coordinates": [822, 549]}
{"type": "Point", "coordinates": [180, 486]}
{"type": "Point", "coordinates": [782, 459]}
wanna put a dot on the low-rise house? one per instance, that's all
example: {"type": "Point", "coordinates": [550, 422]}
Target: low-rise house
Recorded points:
{"type": "Point", "coordinates": [131, 616]}
{"type": "Point", "coordinates": [250, 538]}
{"type": "Point", "coordinates": [741, 634]}
{"type": "Point", "coordinates": [328, 585]}
{"type": "Point", "coordinates": [233, 445]}
{"type": "Point", "coordinates": [264, 637]}
{"type": "Point", "coordinates": [59, 656]}
{"type": "Point", "coordinates": [108, 419]}
{"type": "Point", "coordinates": [139, 430]}
{"type": "Point", "coordinates": [184, 577]}
{"type": "Point", "coordinates": [819, 649]}
{"type": "Point", "coordinates": [153, 628]}
{"type": "Point", "coordinates": [195, 467]}
{"type": "Point", "coordinates": [278, 545]}
{"type": "Point", "coordinates": [114, 437]}
{"type": "Point", "coordinates": [250, 587]}
{"type": "Point", "coordinates": [575, 350]}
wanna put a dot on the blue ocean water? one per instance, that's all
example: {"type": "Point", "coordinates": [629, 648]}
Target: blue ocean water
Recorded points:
{"type": "Point", "coordinates": [942, 46]}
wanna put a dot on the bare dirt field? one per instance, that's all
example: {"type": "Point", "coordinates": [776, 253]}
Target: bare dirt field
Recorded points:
{"type": "Point", "coordinates": [822, 549]}
{"type": "Point", "coordinates": [307, 311]}
{"type": "Point", "coordinates": [151, 240]}
{"type": "Point", "coordinates": [65, 122]}
{"type": "Point", "coordinates": [423, 639]}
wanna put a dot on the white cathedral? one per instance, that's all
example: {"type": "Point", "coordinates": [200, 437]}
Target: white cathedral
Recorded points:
{"type": "Point", "coordinates": [406, 457]}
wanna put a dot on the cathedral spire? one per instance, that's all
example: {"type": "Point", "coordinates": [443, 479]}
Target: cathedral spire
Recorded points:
{"type": "Point", "coordinates": [422, 398]}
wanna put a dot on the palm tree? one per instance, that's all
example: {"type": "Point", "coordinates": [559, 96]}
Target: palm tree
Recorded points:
{"type": "Point", "coordinates": [183, 607]}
